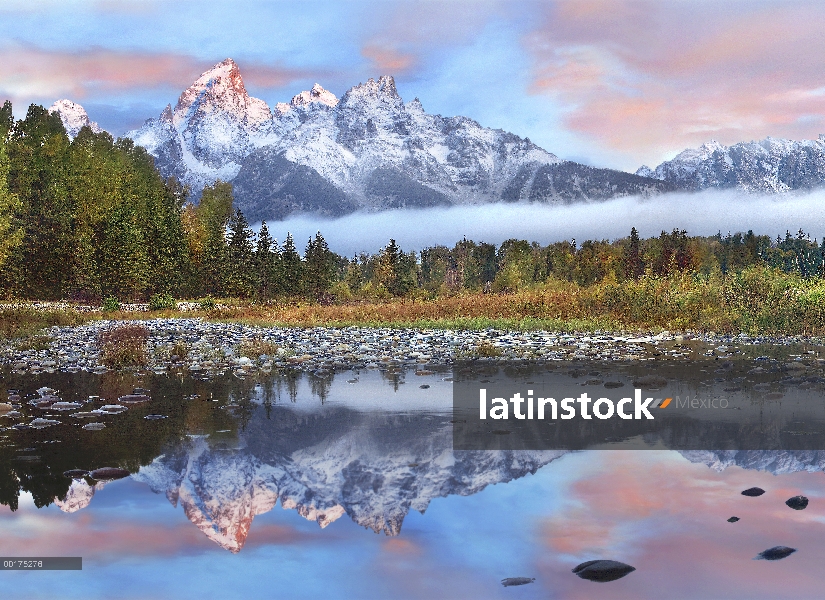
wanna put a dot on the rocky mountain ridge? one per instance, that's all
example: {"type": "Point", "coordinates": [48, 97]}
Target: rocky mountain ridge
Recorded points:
{"type": "Point", "coordinates": [767, 166]}
{"type": "Point", "coordinates": [369, 150]}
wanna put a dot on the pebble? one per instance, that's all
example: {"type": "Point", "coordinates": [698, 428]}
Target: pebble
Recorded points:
{"type": "Point", "coordinates": [509, 581]}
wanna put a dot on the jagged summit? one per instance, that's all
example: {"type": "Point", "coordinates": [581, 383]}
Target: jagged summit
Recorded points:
{"type": "Point", "coordinates": [316, 94]}
{"type": "Point", "coordinates": [383, 89]}
{"type": "Point", "coordinates": [74, 117]}
{"type": "Point", "coordinates": [220, 90]}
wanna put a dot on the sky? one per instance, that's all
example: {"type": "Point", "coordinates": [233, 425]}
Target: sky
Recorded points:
{"type": "Point", "coordinates": [615, 83]}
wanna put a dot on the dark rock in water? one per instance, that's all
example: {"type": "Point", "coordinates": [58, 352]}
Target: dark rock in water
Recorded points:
{"type": "Point", "coordinates": [75, 473]}
{"type": "Point", "coordinates": [733, 519]}
{"type": "Point", "coordinates": [108, 473]}
{"type": "Point", "coordinates": [517, 581]}
{"type": "Point", "coordinates": [424, 387]}
{"type": "Point", "coordinates": [797, 502]}
{"type": "Point", "coordinates": [650, 382]}
{"type": "Point", "coordinates": [753, 492]}
{"type": "Point", "coordinates": [154, 417]}
{"type": "Point", "coordinates": [613, 384]}
{"type": "Point", "coordinates": [775, 553]}
{"type": "Point", "coordinates": [603, 570]}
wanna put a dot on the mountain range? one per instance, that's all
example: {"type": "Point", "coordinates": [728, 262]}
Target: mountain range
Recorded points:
{"type": "Point", "coordinates": [371, 150]}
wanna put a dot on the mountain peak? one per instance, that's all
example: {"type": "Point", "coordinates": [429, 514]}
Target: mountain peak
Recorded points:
{"type": "Point", "coordinates": [384, 88]}
{"type": "Point", "coordinates": [74, 117]}
{"type": "Point", "coordinates": [225, 68]}
{"type": "Point", "coordinates": [386, 83]}
{"type": "Point", "coordinates": [316, 94]}
{"type": "Point", "coordinates": [220, 90]}
{"type": "Point", "coordinates": [711, 146]}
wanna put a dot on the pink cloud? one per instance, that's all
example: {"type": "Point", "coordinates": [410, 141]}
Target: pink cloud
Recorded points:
{"type": "Point", "coordinates": [403, 33]}
{"type": "Point", "coordinates": [31, 72]}
{"type": "Point", "coordinates": [649, 77]}
{"type": "Point", "coordinates": [388, 60]}
{"type": "Point", "coordinates": [106, 538]}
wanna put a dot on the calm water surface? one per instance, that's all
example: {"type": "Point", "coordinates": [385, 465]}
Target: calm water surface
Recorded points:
{"type": "Point", "coordinates": [347, 486]}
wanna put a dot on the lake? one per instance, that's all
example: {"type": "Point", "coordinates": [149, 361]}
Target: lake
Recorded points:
{"type": "Point", "coordinates": [346, 485]}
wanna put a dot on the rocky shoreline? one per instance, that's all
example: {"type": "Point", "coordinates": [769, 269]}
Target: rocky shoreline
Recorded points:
{"type": "Point", "coordinates": [214, 347]}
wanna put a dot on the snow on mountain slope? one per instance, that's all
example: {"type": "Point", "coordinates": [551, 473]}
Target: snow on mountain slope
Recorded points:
{"type": "Point", "coordinates": [767, 166]}
{"type": "Point", "coordinates": [214, 124]}
{"type": "Point", "coordinates": [372, 148]}
{"type": "Point", "coordinates": [79, 496]}
{"type": "Point", "coordinates": [74, 117]}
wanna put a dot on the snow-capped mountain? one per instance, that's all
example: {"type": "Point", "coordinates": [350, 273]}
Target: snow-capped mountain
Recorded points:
{"type": "Point", "coordinates": [767, 166]}
{"type": "Point", "coordinates": [74, 117]}
{"type": "Point", "coordinates": [368, 150]}
{"type": "Point", "coordinates": [777, 462]}
{"type": "Point", "coordinates": [213, 126]}
{"type": "Point", "coordinates": [373, 468]}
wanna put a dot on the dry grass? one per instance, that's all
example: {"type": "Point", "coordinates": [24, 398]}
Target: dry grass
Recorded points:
{"type": "Point", "coordinates": [124, 346]}
{"type": "Point", "coordinates": [35, 342]}
{"type": "Point", "coordinates": [256, 347]}
{"type": "Point", "coordinates": [757, 300]}
{"type": "Point", "coordinates": [23, 321]}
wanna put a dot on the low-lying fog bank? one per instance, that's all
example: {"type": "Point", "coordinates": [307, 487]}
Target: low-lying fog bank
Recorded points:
{"type": "Point", "coordinates": [704, 213]}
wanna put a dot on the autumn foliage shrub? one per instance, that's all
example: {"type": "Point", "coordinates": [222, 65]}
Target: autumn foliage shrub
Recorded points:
{"type": "Point", "coordinates": [124, 346]}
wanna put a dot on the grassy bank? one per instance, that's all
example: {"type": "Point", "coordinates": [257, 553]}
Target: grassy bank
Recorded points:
{"type": "Point", "coordinates": [28, 322]}
{"type": "Point", "coordinates": [757, 300]}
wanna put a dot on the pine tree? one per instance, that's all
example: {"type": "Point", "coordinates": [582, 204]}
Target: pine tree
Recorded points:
{"type": "Point", "coordinates": [395, 270]}
{"type": "Point", "coordinates": [264, 263]}
{"type": "Point", "coordinates": [241, 267]}
{"type": "Point", "coordinates": [319, 267]}
{"type": "Point", "coordinates": [633, 265]}
{"type": "Point", "coordinates": [291, 268]}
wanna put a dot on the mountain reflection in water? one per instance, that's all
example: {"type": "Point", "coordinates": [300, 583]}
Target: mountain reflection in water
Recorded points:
{"type": "Point", "coordinates": [230, 453]}
{"type": "Point", "coordinates": [377, 452]}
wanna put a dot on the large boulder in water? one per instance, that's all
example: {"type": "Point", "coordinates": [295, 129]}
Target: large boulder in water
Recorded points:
{"type": "Point", "coordinates": [753, 492]}
{"type": "Point", "coordinates": [775, 553]}
{"type": "Point", "coordinates": [797, 502]}
{"type": "Point", "coordinates": [603, 570]}
{"type": "Point", "coordinates": [108, 473]}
